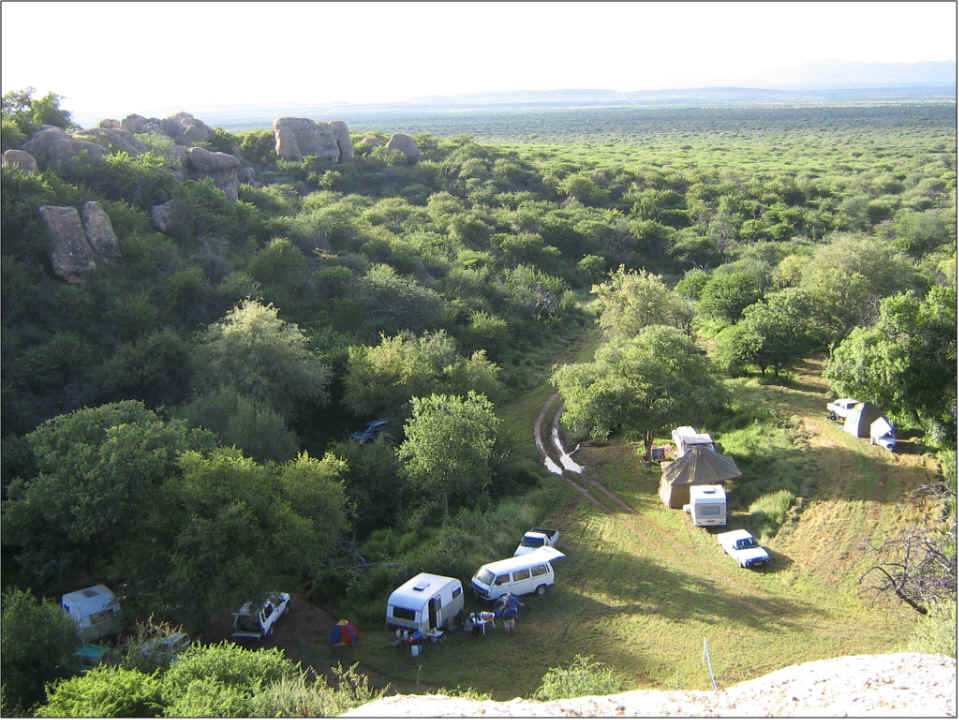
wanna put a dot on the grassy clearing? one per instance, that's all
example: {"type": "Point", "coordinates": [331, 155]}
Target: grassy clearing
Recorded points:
{"type": "Point", "coordinates": [640, 592]}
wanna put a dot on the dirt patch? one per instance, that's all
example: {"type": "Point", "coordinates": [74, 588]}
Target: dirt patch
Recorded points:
{"type": "Point", "coordinates": [303, 634]}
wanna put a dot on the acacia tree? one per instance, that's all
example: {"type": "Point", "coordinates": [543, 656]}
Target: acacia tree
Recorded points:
{"type": "Point", "coordinates": [98, 473]}
{"type": "Point", "coordinates": [777, 332]}
{"type": "Point", "coordinates": [381, 378]}
{"type": "Point", "coordinates": [906, 362]}
{"type": "Point", "coordinates": [629, 301]}
{"type": "Point", "coordinates": [449, 445]}
{"type": "Point", "coordinates": [264, 357]}
{"type": "Point", "coordinates": [644, 383]}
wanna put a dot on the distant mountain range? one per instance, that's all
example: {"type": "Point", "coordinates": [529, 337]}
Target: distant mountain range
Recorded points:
{"type": "Point", "coordinates": [813, 83]}
{"type": "Point", "coordinates": [836, 74]}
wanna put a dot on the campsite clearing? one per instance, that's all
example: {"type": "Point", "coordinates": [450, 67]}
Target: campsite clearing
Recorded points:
{"type": "Point", "coordinates": [641, 587]}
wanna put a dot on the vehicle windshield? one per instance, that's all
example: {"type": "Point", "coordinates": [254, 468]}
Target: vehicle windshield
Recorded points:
{"type": "Point", "coordinates": [247, 623]}
{"type": "Point", "coordinates": [746, 543]}
{"type": "Point", "coordinates": [485, 577]}
{"type": "Point", "coordinates": [533, 542]}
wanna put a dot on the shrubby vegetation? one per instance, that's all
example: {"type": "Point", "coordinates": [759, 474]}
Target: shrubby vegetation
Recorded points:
{"type": "Point", "coordinates": [198, 394]}
{"type": "Point", "coordinates": [581, 677]}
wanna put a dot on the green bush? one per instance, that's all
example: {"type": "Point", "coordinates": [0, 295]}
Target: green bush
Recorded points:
{"type": "Point", "coordinates": [36, 647]}
{"type": "Point", "coordinates": [579, 678]}
{"type": "Point", "coordinates": [224, 666]}
{"type": "Point", "coordinates": [768, 512]}
{"type": "Point", "coordinates": [305, 697]}
{"type": "Point", "coordinates": [105, 691]}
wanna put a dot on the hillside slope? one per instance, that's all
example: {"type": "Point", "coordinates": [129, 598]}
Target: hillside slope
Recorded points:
{"type": "Point", "coordinates": [898, 685]}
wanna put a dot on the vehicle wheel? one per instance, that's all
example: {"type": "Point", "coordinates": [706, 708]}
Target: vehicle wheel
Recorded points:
{"type": "Point", "coordinates": [541, 590]}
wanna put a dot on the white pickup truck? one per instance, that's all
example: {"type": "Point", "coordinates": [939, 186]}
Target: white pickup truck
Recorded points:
{"type": "Point", "coordinates": [536, 538]}
{"type": "Point", "coordinates": [840, 409]}
{"type": "Point", "coordinates": [742, 547]}
{"type": "Point", "coordinates": [256, 623]}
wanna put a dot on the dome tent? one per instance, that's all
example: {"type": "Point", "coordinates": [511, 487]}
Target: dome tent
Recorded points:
{"type": "Point", "coordinates": [860, 418]}
{"type": "Point", "coordinates": [699, 466]}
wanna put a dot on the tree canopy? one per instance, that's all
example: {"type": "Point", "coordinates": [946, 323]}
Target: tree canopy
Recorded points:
{"type": "Point", "coordinates": [643, 384]}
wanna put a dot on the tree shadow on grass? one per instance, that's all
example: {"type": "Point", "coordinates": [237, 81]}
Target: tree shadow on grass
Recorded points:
{"type": "Point", "coordinates": [646, 587]}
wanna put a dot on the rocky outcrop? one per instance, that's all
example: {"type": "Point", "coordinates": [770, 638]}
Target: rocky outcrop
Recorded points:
{"type": "Point", "coordinates": [99, 231]}
{"type": "Point", "coordinates": [54, 149]}
{"type": "Point", "coordinates": [186, 129]}
{"type": "Point", "coordinates": [299, 137]}
{"type": "Point", "coordinates": [406, 145]}
{"type": "Point", "coordinates": [162, 215]}
{"type": "Point", "coordinates": [116, 140]}
{"type": "Point", "coordinates": [220, 167]}
{"type": "Point", "coordinates": [79, 240]}
{"type": "Point", "coordinates": [247, 176]}
{"type": "Point", "coordinates": [70, 255]}
{"type": "Point", "coordinates": [342, 134]}
{"type": "Point", "coordinates": [20, 159]}
{"type": "Point", "coordinates": [138, 124]}
{"type": "Point", "coordinates": [182, 127]}
{"type": "Point", "coordinates": [110, 124]}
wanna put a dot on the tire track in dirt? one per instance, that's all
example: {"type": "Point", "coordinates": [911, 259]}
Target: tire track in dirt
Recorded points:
{"type": "Point", "coordinates": [614, 505]}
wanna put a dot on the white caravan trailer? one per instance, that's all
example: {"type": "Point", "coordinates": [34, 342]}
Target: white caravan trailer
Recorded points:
{"type": "Point", "coordinates": [707, 505]}
{"type": "Point", "coordinates": [425, 602]}
{"type": "Point", "coordinates": [94, 610]}
{"type": "Point", "coordinates": [686, 437]}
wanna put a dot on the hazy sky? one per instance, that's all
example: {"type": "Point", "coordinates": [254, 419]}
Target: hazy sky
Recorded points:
{"type": "Point", "coordinates": [113, 59]}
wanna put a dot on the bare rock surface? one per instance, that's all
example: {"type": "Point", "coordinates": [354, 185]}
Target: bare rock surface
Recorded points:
{"type": "Point", "coordinates": [99, 231]}
{"type": "Point", "coordinates": [71, 256]}
{"type": "Point", "coordinates": [220, 167]}
{"type": "Point", "coordinates": [21, 159]}
{"type": "Point", "coordinates": [117, 139]}
{"type": "Point", "coordinates": [406, 145]}
{"type": "Point", "coordinates": [299, 137]}
{"type": "Point", "coordinates": [162, 215]}
{"type": "Point", "coordinates": [895, 685]}
{"type": "Point", "coordinates": [182, 127]}
{"type": "Point", "coordinates": [186, 129]}
{"type": "Point", "coordinates": [342, 134]}
{"type": "Point", "coordinates": [53, 148]}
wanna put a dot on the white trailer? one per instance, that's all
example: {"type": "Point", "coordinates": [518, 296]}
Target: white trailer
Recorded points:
{"type": "Point", "coordinates": [425, 602]}
{"type": "Point", "coordinates": [686, 437]}
{"type": "Point", "coordinates": [94, 609]}
{"type": "Point", "coordinates": [707, 505]}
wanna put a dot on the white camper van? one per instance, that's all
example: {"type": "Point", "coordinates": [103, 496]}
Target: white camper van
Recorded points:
{"type": "Point", "coordinates": [425, 602]}
{"type": "Point", "coordinates": [707, 505]}
{"type": "Point", "coordinates": [519, 575]}
{"type": "Point", "coordinates": [94, 610]}
{"type": "Point", "coordinates": [686, 437]}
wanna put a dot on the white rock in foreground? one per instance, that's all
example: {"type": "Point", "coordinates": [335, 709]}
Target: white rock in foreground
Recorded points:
{"type": "Point", "coordinates": [898, 685]}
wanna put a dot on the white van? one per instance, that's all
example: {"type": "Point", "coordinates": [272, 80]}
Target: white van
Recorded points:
{"type": "Point", "coordinates": [94, 610]}
{"type": "Point", "coordinates": [425, 602]}
{"type": "Point", "coordinates": [519, 575]}
{"type": "Point", "coordinates": [707, 505]}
